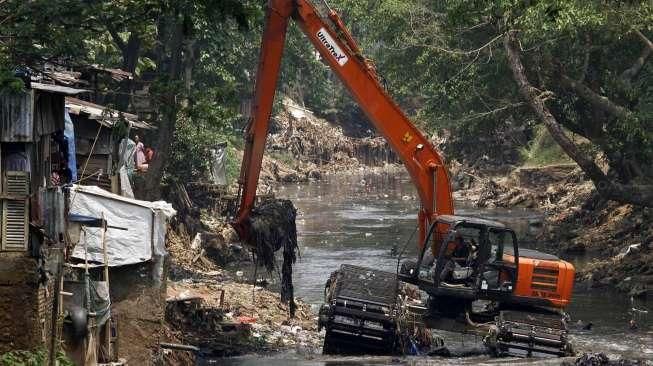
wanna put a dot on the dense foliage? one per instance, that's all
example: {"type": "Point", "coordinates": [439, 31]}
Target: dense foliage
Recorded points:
{"type": "Point", "coordinates": [445, 62]}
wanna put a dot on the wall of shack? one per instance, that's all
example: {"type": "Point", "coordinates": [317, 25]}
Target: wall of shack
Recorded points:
{"type": "Point", "coordinates": [25, 304]}
{"type": "Point", "coordinates": [138, 296]}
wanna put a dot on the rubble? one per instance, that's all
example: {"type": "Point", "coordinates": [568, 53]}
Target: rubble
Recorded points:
{"type": "Point", "coordinates": [600, 359]}
{"type": "Point", "coordinates": [224, 318]}
{"type": "Point", "coordinates": [577, 221]}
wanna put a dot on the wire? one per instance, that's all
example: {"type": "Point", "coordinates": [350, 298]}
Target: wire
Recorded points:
{"type": "Point", "coordinates": [403, 250]}
{"type": "Point", "coordinates": [327, 5]}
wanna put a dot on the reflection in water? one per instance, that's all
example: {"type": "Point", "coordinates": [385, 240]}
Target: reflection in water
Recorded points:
{"type": "Point", "coordinates": [359, 219]}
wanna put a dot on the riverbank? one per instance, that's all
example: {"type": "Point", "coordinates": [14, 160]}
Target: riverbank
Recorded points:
{"type": "Point", "coordinates": [344, 218]}
{"type": "Point", "coordinates": [213, 306]}
{"type": "Point", "coordinates": [578, 222]}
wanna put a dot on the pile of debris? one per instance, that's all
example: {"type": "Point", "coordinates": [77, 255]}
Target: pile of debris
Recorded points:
{"type": "Point", "coordinates": [550, 187]}
{"type": "Point", "coordinates": [304, 146]}
{"type": "Point", "coordinates": [224, 318]}
{"type": "Point", "coordinates": [621, 235]}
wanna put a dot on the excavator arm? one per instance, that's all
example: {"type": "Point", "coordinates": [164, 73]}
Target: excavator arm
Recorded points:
{"type": "Point", "coordinates": [342, 54]}
{"type": "Point", "coordinates": [359, 320]}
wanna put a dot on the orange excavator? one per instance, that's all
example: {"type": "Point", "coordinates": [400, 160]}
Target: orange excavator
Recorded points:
{"type": "Point", "coordinates": [475, 274]}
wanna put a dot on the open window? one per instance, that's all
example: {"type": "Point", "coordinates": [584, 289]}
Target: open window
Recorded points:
{"type": "Point", "coordinates": [499, 271]}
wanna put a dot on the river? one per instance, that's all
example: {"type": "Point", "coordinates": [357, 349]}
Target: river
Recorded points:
{"type": "Point", "coordinates": [359, 218]}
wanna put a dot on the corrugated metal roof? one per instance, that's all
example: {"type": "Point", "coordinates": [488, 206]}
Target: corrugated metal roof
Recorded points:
{"type": "Point", "coordinates": [17, 117]}
{"type": "Point", "coordinates": [116, 74]}
{"type": "Point", "coordinates": [57, 89]}
{"type": "Point", "coordinates": [103, 115]}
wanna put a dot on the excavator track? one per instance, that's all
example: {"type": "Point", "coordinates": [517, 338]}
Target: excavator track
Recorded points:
{"type": "Point", "coordinates": [524, 333]}
{"type": "Point", "coordinates": [359, 313]}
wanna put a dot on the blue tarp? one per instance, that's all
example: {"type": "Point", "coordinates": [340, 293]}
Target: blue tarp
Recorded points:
{"type": "Point", "coordinates": [69, 134]}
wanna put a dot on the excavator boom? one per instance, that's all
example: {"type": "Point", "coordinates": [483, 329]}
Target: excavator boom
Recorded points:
{"type": "Point", "coordinates": [360, 311]}
{"type": "Point", "coordinates": [341, 53]}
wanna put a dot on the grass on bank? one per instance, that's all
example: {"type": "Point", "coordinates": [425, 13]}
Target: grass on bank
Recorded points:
{"type": "Point", "coordinates": [543, 150]}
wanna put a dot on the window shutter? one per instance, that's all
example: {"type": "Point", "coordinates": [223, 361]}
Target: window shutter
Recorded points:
{"type": "Point", "coordinates": [15, 224]}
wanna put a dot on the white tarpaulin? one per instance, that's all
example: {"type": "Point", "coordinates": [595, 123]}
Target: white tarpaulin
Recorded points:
{"type": "Point", "coordinates": [145, 222]}
{"type": "Point", "coordinates": [219, 164]}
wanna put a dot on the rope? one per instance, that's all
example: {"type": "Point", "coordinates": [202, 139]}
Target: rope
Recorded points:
{"type": "Point", "coordinates": [72, 200]}
{"type": "Point", "coordinates": [92, 149]}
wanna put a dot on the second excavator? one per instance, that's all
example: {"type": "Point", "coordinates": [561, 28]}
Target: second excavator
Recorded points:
{"type": "Point", "coordinates": [476, 276]}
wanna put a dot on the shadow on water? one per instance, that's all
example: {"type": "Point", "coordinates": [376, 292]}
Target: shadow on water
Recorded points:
{"type": "Point", "coordinates": [358, 219]}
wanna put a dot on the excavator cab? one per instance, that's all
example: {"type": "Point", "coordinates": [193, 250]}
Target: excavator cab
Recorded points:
{"type": "Point", "coordinates": [466, 256]}
{"type": "Point", "coordinates": [471, 257]}
{"type": "Point", "coordinates": [474, 274]}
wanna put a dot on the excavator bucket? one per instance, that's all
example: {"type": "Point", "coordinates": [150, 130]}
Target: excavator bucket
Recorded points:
{"type": "Point", "coordinates": [272, 227]}
{"type": "Point", "coordinates": [359, 313]}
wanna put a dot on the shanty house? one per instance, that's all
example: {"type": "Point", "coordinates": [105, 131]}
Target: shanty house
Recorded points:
{"type": "Point", "coordinates": [34, 162]}
{"type": "Point", "coordinates": [94, 141]}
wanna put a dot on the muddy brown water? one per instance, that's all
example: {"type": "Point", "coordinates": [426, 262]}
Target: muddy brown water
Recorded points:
{"type": "Point", "coordinates": [357, 219]}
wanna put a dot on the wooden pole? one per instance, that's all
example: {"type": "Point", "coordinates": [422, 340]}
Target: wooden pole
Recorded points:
{"type": "Point", "coordinates": [107, 324]}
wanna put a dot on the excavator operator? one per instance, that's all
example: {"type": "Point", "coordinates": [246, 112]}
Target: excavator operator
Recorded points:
{"type": "Point", "coordinates": [459, 255]}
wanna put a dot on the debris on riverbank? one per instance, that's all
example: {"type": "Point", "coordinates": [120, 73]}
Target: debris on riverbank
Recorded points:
{"type": "Point", "coordinates": [548, 188]}
{"type": "Point", "coordinates": [621, 237]}
{"type": "Point", "coordinates": [601, 359]}
{"type": "Point", "coordinates": [212, 306]}
{"type": "Point", "coordinates": [578, 221]}
{"type": "Point", "coordinates": [225, 318]}
{"type": "Point", "coordinates": [302, 147]}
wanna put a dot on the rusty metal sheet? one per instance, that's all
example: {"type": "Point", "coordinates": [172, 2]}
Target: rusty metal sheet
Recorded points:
{"type": "Point", "coordinates": [57, 89]}
{"type": "Point", "coordinates": [102, 114]}
{"type": "Point", "coordinates": [17, 117]}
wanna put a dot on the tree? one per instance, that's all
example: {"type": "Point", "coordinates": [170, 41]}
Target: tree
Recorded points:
{"type": "Point", "coordinates": [570, 74]}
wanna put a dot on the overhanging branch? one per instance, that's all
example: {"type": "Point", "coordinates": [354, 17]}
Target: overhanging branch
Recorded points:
{"type": "Point", "coordinates": [596, 100]}
{"type": "Point", "coordinates": [634, 194]}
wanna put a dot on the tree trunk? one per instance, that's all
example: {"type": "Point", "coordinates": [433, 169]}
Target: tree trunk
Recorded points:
{"type": "Point", "coordinates": [130, 56]}
{"type": "Point", "coordinates": [168, 108]}
{"type": "Point", "coordinates": [632, 193]}
{"type": "Point", "coordinates": [130, 53]}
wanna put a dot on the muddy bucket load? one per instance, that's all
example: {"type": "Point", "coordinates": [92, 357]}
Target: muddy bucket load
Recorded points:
{"type": "Point", "coordinates": [271, 228]}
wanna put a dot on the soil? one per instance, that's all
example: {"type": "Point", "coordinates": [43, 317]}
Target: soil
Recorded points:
{"type": "Point", "coordinates": [578, 222]}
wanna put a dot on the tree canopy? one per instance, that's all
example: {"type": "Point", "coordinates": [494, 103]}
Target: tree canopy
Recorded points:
{"type": "Point", "coordinates": [470, 67]}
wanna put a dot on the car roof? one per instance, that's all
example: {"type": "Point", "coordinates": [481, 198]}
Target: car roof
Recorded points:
{"type": "Point", "coordinates": [455, 219]}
